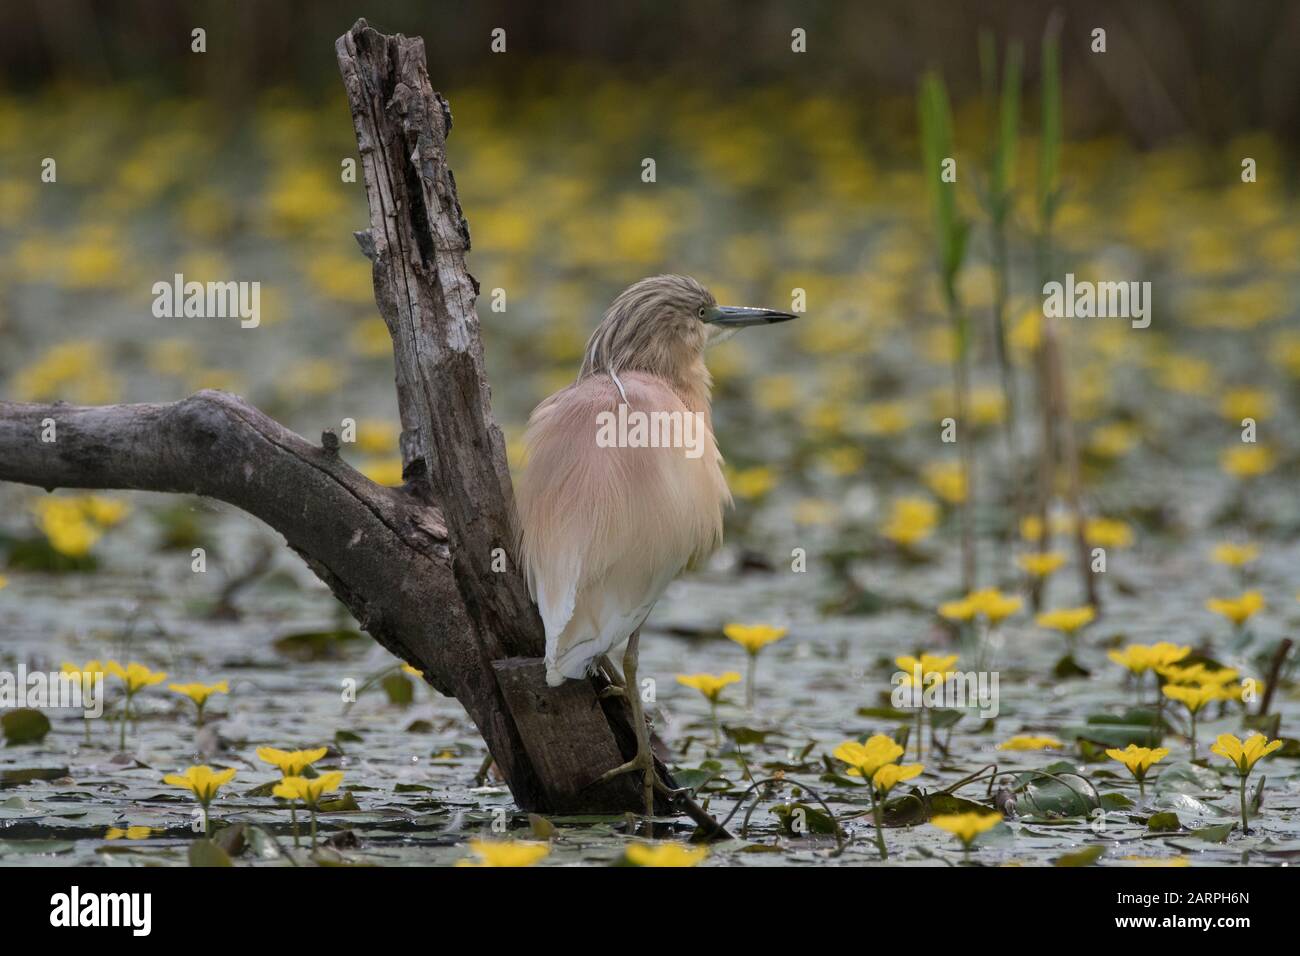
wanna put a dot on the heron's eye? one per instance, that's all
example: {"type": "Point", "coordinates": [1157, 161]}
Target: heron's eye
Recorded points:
{"type": "Point", "coordinates": [701, 312]}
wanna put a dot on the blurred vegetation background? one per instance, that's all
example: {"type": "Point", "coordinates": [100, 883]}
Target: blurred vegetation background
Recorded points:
{"type": "Point", "coordinates": [776, 171]}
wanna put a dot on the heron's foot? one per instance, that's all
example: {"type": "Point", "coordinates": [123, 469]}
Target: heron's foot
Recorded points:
{"type": "Point", "coordinates": [644, 762]}
{"type": "Point", "coordinates": [613, 690]}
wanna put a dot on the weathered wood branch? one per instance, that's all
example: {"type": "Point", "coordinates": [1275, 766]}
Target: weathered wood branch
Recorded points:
{"type": "Point", "coordinates": [413, 565]}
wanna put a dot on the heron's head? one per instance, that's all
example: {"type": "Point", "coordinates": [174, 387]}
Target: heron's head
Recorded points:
{"type": "Point", "coordinates": [662, 325]}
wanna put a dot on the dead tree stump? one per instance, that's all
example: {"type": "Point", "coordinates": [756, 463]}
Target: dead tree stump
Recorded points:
{"type": "Point", "coordinates": [412, 564]}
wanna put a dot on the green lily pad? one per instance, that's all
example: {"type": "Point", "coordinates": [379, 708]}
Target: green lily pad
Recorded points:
{"type": "Point", "coordinates": [24, 726]}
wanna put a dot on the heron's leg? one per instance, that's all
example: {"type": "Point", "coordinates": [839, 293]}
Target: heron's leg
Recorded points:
{"type": "Point", "coordinates": [606, 667]}
{"type": "Point", "coordinates": [644, 759]}
{"type": "Point", "coordinates": [645, 755]}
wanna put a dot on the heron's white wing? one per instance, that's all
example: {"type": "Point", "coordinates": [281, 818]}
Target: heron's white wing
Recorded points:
{"type": "Point", "coordinates": [603, 530]}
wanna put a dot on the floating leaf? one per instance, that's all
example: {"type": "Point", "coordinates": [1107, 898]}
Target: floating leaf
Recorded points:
{"type": "Point", "coordinates": [207, 853]}
{"type": "Point", "coordinates": [1085, 857]}
{"type": "Point", "coordinates": [24, 726]}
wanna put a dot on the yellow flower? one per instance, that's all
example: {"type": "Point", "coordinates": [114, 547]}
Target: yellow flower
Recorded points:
{"type": "Point", "coordinates": [960, 610]}
{"type": "Point", "coordinates": [1138, 759]}
{"type": "Point", "coordinates": [1247, 461]}
{"type": "Point", "coordinates": [966, 826]}
{"type": "Point", "coordinates": [1239, 403]}
{"type": "Point", "coordinates": [1067, 620]}
{"type": "Point", "coordinates": [1235, 555]}
{"type": "Point", "coordinates": [4, 582]}
{"type": "Point", "coordinates": [1031, 743]}
{"type": "Point", "coordinates": [751, 483]}
{"type": "Point", "coordinates": [63, 522]}
{"type": "Point", "coordinates": [202, 781]}
{"type": "Point", "coordinates": [1197, 674]}
{"type": "Point", "coordinates": [383, 471]}
{"type": "Point", "coordinates": [754, 637]}
{"type": "Point", "coordinates": [290, 763]}
{"type": "Point", "coordinates": [1042, 564]}
{"type": "Point", "coordinates": [947, 480]}
{"type": "Point", "coordinates": [105, 512]}
{"type": "Point", "coordinates": [992, 603]}
{"type": "Point", "coordinates": [413, 671]}
{"type": "Point", "coordinates": [931, 666]}
{"type": "Point", "coordinates": [911, 520]}
{"type": "Point", "coordinates": [1246, 755]}
{"type": "Point", "coordinates": [135, 676]}
{"type": "Point", "coordinates": [130, 833]}
{"type": "Point", "coordinates": [865, 759]}
{"type": "Point", "coordinates": [995, 605]}
{"type": "Point", "coordinates": [1193, 697]}
{"type": "Point", "coordinates": [891, 775]}
{"type": "Point", "coordinates": [665, 854]}
{"type": "Point", "coordinates": [710, 685]}
{"type": "Point", "coordinates": [92, 672]}
{"type": "Point", "coordinates": [1107, 533]}
{"type": "Point", "coordinates": [1140, 658]}
{"type": "Point", "coordinates": [199, 693]}
{"type": "Point", "coordinates": [505, 853]}
{"type": "Point", "coordinates": [308, 789]}
{"type": "Point", "coordinates": [1237, 610]}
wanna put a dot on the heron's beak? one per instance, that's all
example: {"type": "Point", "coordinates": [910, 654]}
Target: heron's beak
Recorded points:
{"type": "Point", "coordinates": [738, 316]}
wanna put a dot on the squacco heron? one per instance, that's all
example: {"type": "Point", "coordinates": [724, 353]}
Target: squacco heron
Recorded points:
{"type": "Point", "coordinates": [623, 486]}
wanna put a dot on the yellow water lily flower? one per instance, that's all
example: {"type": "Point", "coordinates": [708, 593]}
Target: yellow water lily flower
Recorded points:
{"type": "Point", "coordinates": [1139, 761]}
{"type": "Point", "coordinates": [754, 637]}
{"type": "Point", "coordinates": [966, 826]}
{"type": "Point", "coordinates": [932, 668]}
{"type": "Point", "coordinates": [710, 685]}
{"type": "Point", "coordinates": [990, 602]}
{"type": "Point", "coordinates": [130, 833]}
{"type": "Point", "coordinates": [1067, 620]}
{"type": "Point", "coordinates": [947, 480]}
{"type": "Point", "coordinates": [135, 676]}
{"type": "Point", "coordinates": [1244, 755]}
{"type": "Point", "coordinates": [1023, 742]}
{"type": "Point", "coordinates": [891, 775]}
{"type": "Point", "coordinates": [963, 609]}
{"type": "Point", "coordinates": [413, 671]}
{"type": "Point", "coordinates": [1237, 610]}
{"type": "Point", "coordinates": [865, 759]}
{"type": "Point", "coordinates": [665, 854]}
{"type": "Point", "coordinates": [308, 789]}
{"type": "Point", "coordinates": [1193, 696]}
{"type": "Point", "coordinates": [1041, 564]}
{"type": "Point", "coordinates": [994, 605]}
{"type": "Point", "coordinates": [290, 763]}
{"type": "Point", "coordinates": [202, 781]}
{"type": "Point", "coordinates": [505, 853]}
{"type": "Point", "coordinates": [199, 693]}
{"type": "Point", "coordinates": [1140, 658]}
{"type": "Point", "coordinates": [1247, 461]}
{"type": "Point", "coordinates": [1107, 533]}
{"type": "Point", "coordinates": [911, 520]}
{"type": "Point", "coordinates": [1235, 555]}
{"type": "Point", "coordinates": [92, 672]}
